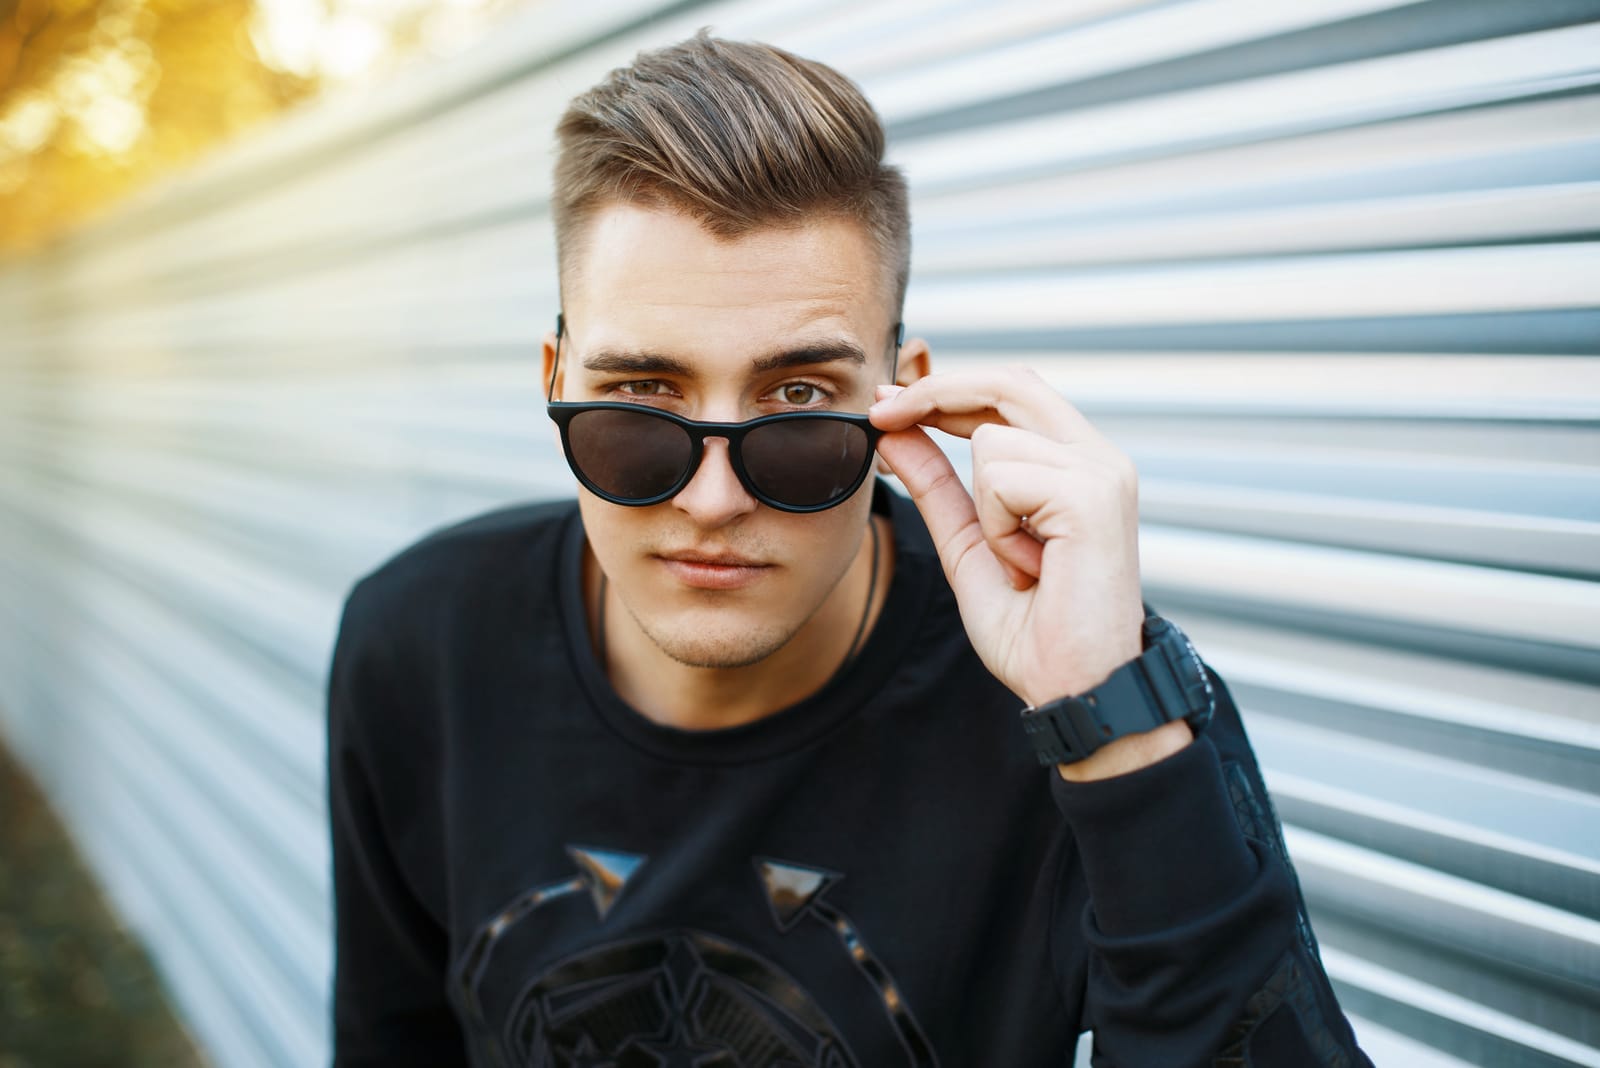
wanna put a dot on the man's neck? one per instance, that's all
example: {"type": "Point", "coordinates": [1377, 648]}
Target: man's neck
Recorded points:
{"type": "Point", "coordinates": [695, 698]}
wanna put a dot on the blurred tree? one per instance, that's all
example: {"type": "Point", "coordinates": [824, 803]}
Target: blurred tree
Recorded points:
{"type": "Point", "coordinates": [97, 97]}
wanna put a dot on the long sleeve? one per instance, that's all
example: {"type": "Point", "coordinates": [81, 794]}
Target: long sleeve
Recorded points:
{"type": "Point", "coordinates": [389, 1006]}
{"type": "Point", "coordinates": [1198, 948]}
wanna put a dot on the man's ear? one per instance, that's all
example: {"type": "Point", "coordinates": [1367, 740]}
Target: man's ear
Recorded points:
{"type": "Point", "coordinates": [547, 364]}
{"type": "Point", "coordinates": [914, 361]}
{"type": "Point", "coordinates": [913, 364]}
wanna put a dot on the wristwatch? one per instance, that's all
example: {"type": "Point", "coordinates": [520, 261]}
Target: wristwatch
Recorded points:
{"type": "Point", "coordinates": [1166, 682]}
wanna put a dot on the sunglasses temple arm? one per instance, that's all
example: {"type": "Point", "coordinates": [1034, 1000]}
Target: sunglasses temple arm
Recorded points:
{"type": "Point", "coordinates": [555, 364]}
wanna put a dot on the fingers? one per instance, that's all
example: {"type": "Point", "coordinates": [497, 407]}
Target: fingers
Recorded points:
{"type": "Point", "coordinates": [946, 508]}
{"type": "Point", "coordinates": [1020, 554]}
{"type": "Point", "coordinates": [1028, 490]}
{"type": "Point", "coordinates": [959, 402]}
{"type": "Point", "coordinates": [1053, 483]}
{"type": "Point", "coordinates": [1007, 532]}
{"type": "Point", "coordinates": [1039, 471]}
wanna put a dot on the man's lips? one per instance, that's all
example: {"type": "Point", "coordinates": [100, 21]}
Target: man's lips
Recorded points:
{"type": "Point", "coordinates": [712, 571]}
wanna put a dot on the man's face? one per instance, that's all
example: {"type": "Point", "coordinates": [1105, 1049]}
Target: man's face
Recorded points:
{"type": "Point", "coordinates": [661, 312]}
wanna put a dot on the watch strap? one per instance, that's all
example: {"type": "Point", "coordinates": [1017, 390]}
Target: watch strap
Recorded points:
{"type": "Point", "coordinates": [1145, 693]}
{"type": "Point", "coordinates": [1067, 730]}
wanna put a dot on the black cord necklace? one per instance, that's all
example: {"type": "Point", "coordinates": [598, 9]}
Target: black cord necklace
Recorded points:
{"type": "Point", "coordinates": [866, 612]}
{"type": "Point", "coordinates": [850, 654]}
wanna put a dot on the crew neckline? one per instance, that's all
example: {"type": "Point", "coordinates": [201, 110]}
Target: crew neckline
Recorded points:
{"type": "Point", "coordinates": [788, 728]}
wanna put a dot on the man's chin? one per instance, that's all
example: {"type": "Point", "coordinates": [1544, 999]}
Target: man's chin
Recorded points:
{"type": "Point", "coordinates": [724, 652]}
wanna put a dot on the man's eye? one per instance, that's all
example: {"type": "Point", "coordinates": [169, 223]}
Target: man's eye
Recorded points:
{"type": "Point", "coordinates": [801, 393]}
{"type": "Point", "coordinates": [649, 387]}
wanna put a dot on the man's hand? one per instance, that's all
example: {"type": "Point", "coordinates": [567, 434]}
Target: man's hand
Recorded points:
{"type": "Point", "coordinates": [1043, 555]}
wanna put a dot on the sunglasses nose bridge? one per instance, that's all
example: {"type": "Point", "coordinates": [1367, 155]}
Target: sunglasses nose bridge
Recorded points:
{"type": "Point", "coordinates": [731, 444]}
{"type": "Point", "coordinates": [717, 488]}
{"type": "Point", "coordinates": [715, 447]}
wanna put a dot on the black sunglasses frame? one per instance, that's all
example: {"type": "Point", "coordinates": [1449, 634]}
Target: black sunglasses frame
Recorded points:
{"type": "Point", "coordinates": [563, 412]}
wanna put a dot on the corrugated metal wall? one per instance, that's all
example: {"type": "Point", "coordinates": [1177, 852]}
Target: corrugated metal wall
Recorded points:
{"type": "Point", "coordinates": [1328, 269]}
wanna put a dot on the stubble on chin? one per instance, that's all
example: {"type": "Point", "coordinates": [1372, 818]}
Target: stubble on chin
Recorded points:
{"type": "Point", "coordinates": [735, 640]}
{"type": "Point", "coordinates": [735, 648]}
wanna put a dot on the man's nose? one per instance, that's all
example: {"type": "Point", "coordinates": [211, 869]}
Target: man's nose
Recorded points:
{"type": "Point", "coordinates": [715, 496]}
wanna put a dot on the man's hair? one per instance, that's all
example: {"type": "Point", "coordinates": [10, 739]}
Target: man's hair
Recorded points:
{"type": "Point", "coordinates": [738, 135]}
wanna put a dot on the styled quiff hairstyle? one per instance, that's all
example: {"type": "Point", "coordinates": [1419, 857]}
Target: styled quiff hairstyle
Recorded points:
{"type": "Point", "coordinates": [738, 135]}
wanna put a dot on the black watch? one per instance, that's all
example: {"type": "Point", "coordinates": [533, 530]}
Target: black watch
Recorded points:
{"type": "Point", "coordinates": [1165, 683]}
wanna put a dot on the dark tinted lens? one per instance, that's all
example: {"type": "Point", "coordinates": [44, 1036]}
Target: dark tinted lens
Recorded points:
{"type": "Point", "coordinates": [632, 455]}
{"type": "Point", "coordinates": [806, 462]}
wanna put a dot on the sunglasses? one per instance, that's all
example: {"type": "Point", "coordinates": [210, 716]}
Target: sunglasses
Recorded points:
{"type": "Point", "coordinates": [636, 455]}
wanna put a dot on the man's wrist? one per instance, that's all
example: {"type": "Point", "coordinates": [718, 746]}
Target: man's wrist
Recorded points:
{"type": "Point", "coordinates": [1131, 719]}
{"type": "Point", "coordinates": [1129, 753]}
{"type": "Point", "coordinates": [1088, 671]}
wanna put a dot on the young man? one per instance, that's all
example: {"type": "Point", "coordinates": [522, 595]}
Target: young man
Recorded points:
{"type": "Point", "coordinates": [722, 765]}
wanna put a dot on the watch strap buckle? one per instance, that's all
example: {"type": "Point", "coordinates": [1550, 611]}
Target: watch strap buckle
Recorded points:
{"type": "Point", "coordinates": [1059, 732]}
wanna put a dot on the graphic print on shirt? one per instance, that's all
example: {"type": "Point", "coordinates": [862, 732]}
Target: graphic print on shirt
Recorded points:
{"type": "Point", "coordinates": [682, 997]}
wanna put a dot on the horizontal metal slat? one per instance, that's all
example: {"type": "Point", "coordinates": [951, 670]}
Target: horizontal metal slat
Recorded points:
{"type": "Point", "coordinates": [1504, 827]}
{"type": "Point", "coordinates": [1529, 143]}
{"type": "Point", "coordinates": [1245, 389]}
{"type": "Point", "coordinates": [871, 40]}
{"type": "Point", "coordinates": [1486, 1035]}
{"type": "Point", "coordinates": [1498, 928]}
{"type": "Point", "coordinates": [1387, 1047]}
{"type": "Point", "coordinates": [1474, 486]}
{"type": "Point", "coordinates": [1355, 285]}
{"type": "Point", "coordinates": [438, 472]}
{"type": "Point", "coordinates": [1554, 448]}
{"type": "Point", "coordinates": [1454, 708]}
{"type": "Point", "coordinates": [1456, 596]}
{"type": "Point", "coordinates": [240, 493]}
{"type": "Point", "coordinates": [1137, 39]}
{"type": "Point", "coordinates": [452, 289]}
{"type": "Point", "coordinates": [1435, 80]}
{"type": "Point", "coordinates": [266, 716]}
{"type": "Point", "coordinates": [266, 608]}
{"type": "Point", "coordinates": [1481, 536]}
{"type": "Point", "coordinates": [1488, 216]}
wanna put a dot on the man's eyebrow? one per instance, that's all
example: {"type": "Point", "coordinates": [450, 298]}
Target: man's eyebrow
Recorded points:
{"type": "Point", "coordinates": [645, 363]}
{"type": "Point", "coordinates": [810, 353]}
{"type": "Point", "coordinates": [619, 361]}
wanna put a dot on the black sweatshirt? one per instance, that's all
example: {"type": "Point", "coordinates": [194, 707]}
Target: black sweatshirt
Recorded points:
{"type": "Point", "coordinates": [529, 872]}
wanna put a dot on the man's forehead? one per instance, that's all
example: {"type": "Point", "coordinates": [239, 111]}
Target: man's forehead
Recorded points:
{"type": "Point", "coordinates": [659, 271]}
